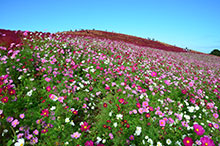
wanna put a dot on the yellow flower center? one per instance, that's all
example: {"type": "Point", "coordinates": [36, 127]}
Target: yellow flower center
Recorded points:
{"type": "Point", "coordinates": [187, 141]}
{"type": "Point", "coordinates": [161, 122]}
{"type": "Point", "coordinates": [206, 143]}
{"type": "Point", "coordinates": [22, 144]}
{"type": "Point", "coordinates": [197, 129]}
{"type": "Point", "coordinates": [85, 127]}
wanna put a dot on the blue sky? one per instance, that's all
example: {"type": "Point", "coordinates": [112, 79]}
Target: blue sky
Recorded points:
{"type": "Point", "coordinates": [185, 23]}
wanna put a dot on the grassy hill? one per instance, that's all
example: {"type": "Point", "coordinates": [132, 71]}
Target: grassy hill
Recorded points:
{"type": "Point", "coordinates": [99, 88]}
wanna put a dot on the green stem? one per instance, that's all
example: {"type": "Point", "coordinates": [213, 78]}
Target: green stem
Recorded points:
{"type": "Point", "coordinates": [13, 131]}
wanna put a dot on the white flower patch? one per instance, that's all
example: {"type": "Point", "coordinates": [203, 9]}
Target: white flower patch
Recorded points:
{"type": "Point", "coordinates": [119, 116]}
{"type": "Point", "coordinates": [138, 131]}
{"type": "Point", "coordinates": [191, 109]}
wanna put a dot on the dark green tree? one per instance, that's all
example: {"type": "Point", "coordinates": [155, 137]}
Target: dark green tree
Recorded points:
{"type": "Point", "coordinates": [215, 52]}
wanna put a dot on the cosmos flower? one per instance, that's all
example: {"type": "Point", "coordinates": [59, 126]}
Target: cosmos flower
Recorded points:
{"type": "Point", "coordinates": [206, 141]}
{"type": "Point", "coordinates": [45, 113]}
{"type": "Point", "coordinates": [15, 123]}
{"type": "Point", "coordinates": [198, 129]}
{"type": "Point", "coordinates": [187, 141]}
{"type": "Point", "coordinates": [162, 123]}
{"type": "Point", "coordinates": [20, 142]}
{"type": "Point", "coordinates": [85, 126]}
{"type": "Point", "coordinates": [4, 99]}
{"type": "Point", "coordinates": [22, 116]}
{"type": "Point", "coordinates": [153, 74]}
{"type": "Point", "coordinates": [76, 135]}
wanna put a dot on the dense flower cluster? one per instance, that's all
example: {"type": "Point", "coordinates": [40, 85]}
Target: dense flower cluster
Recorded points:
{"type": "Point", "coordinates": [62, 90]}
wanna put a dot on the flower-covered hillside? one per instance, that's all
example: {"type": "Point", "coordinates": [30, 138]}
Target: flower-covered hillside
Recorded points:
{"type": "Point", "coordinates": [60, 90]}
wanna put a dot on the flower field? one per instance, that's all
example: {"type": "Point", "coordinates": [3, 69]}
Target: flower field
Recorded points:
{"type": "Point", "coordinates": [57, 89]}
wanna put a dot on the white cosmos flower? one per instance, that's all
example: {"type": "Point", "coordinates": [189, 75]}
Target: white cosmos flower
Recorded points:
{"type": "Point", "coordinates": [99, 139]}
{"type": "Point", "coordinates": [20, 142]}
{"type": "Point", "coordinates": [72, 123]}
{"type": "Point", "coordinates": [150, 141]}
{"type": "Point", "coordinates": [159, 143]}
{"type": "Point", "coordinates": [115, 124]}
{"type": "Point", "coordinates": [168, 141]}
{"type": "Point", "coordinates": [67, 120]}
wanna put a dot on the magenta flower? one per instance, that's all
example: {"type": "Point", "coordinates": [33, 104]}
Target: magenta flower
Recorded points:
{"type": "Point", "coordinates": [153, 74]}
{"type": "Point", "coordinates": [206, 141]}
{"type": "Point", "coordinates": [45, 113]}
{"type": "Point", "coordinates": [187, 141]}
{"type": "Point", "coordinates": [85, 126]}
{"type": "Point", "coordinates": [198, 129]}
{"type": "Point", "coordinates": [131, 137]}
{"type": "Point", "coordinates": [121, 100]}
{"type": "Point", "coordinates": [162, 123]}
{"type": "Point", "coordinates": [4, 99]}
{"type": "Point", "coordinates": [15, 123]}
{"type": "Point", "coordinates": [48, 88]}
{"type": "Point", "coordinates": [44, 131]}
{"type": "Point", "coordinates": [89, 143]}
{"type": "Point", "coordinates": [76, 135]}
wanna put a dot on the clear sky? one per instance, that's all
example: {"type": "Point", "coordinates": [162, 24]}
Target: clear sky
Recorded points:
{"type": "Point", "coordinates": [185, 23]}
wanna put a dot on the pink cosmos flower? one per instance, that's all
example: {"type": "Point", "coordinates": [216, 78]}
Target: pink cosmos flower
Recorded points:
{"type": "Point", "coordinates": [107, 88]}
{"type": "Point", "coordinates": [15, 123]}
{"type": "Point", "coordinates": [111, 136]}
{"type": "Point", "coordinates": [84, 106]}
{"type": "Point", "coordinates": [76, 135]}
{"type": "Point", "coordinates": [140, 110]}
{"type": "Point", "coordinates": [22, 116]}
{"type": "Point", "coordinates": [215, 115]}
{"type": "Point", "coordinates": [206, 141]}
{"type": "Point", "coordinates": [216, 126]}
{"type": "Point", "coordinates": [185, 124]}
{"type": "Point", "coordinates": [45, 113]}
{"type": "Point", "coordinates": [153, 74]}
{"type": "Point", "coordinates": [121, 100]}
{"type": "Point", "coordinates": [89, 143]}
{"type": "Point", "coordinates": [36, 132]}
{"type": "Point", "coordinates": [187, 141]}
{"type": "Point", "coordinates": [167, 82]}
{"type": "Point", "coordinates": [162, 123]}
{"type": "Point", "coordinates": [198, 129]}
{"type": "Point", "coordinates": [60, 99]}
{"type": "Point", "coordinates": [4, 99]}
{"type": "Point", "coordinates": [131, 137]}
{"type": "Point", "coordinates": [145, 104]}
{"type": "Point", "coordinates": [85, 126]}
{"type": "Point", "coordinates": [48, 88]}
{"type": "Point", "coordinates": [10, 119]}
{"type": "Point", "coordinates": [47, 79]}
